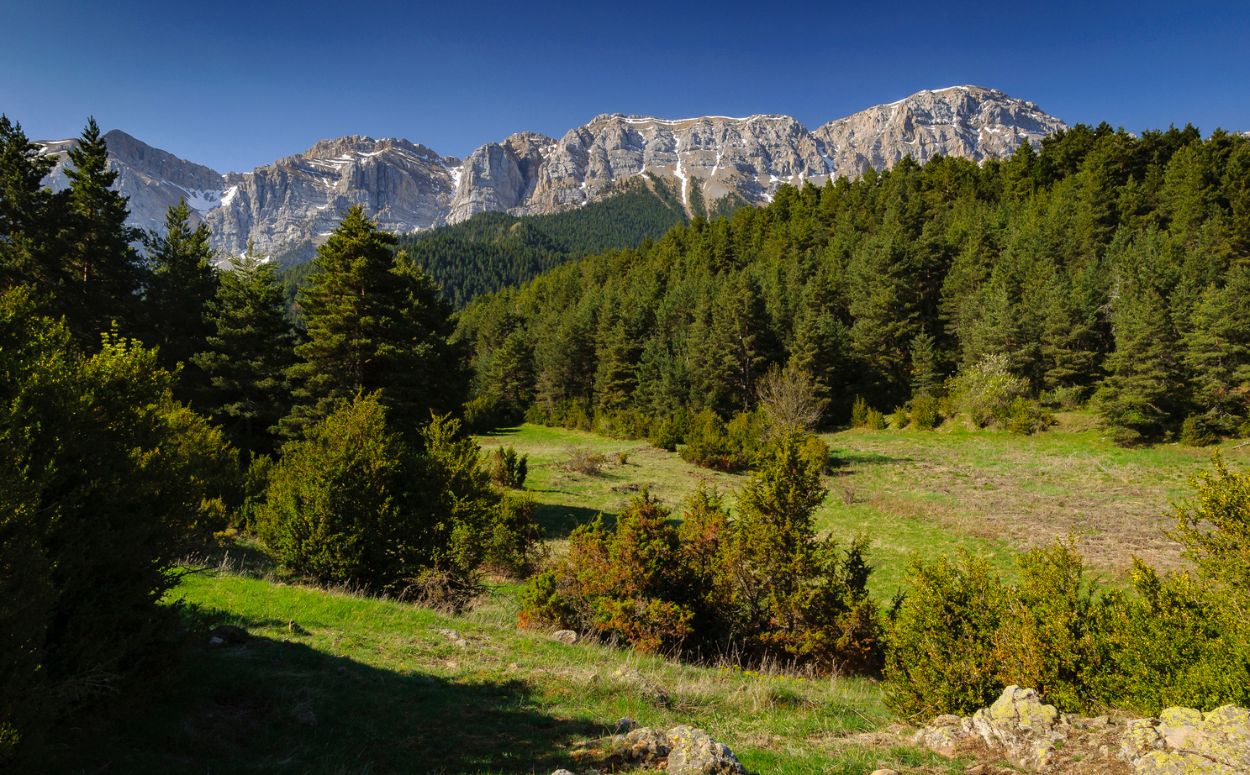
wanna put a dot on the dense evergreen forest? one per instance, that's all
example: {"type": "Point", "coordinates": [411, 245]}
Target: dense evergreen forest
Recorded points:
{"type": "Point", "coordinates": [1102, 267]}
{"type": "Point", "coordinates": [492, 251]}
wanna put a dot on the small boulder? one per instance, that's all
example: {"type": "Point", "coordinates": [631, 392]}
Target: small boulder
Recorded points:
{"type": "Point", "coordinates": [567, 637]}
{"type": "Point", "coordinates": [884, 771]}
{"type": "Point", "coordinates": [1023, 727]}
{"type": "Point", "coordinates": [1183, 740]}
{"type": "Point", "coordinates": [693, 752]}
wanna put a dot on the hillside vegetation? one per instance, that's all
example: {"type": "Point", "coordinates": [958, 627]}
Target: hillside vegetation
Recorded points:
{"type": "Point", "coordinates": [1105, 267]}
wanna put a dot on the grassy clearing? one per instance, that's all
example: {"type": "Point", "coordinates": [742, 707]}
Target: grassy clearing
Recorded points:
{"type": "Point", "coordinates": [930, 493]}
{"type": "Point", "coordinates": [373, 686]}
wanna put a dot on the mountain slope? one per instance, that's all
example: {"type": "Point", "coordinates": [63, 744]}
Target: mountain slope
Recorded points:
{"type": "Point", "coordinates": [284, 209]}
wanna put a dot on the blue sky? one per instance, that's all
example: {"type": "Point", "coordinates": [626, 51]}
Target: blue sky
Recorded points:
{"type": "Point", "coordinates": [236, 84]}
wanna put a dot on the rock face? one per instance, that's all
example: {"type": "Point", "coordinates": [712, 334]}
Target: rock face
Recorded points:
{"type": "Point", "coordinates": [682, 750]}
{"type": "Point", "coordinates": [153, 179]}
{"type": "Point", "coordinates": [286, 208]}
{"type": "Point", "coordinates": [296, 202]}
{"type": "Point", "coordinates": [1184, 740]}
{"type": "Point", "coordinates": [1036, 737]}
{"type": "Point", "coordinates": [970, 122]}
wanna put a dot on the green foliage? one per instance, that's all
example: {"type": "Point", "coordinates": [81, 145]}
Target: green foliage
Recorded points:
{"type": "Point", "coordinates": [713, 443]}
{"type": "Point", "coordinates": [1027, 416]}
{"type": "Point", "coordinates": [924, 412]}
{"type": "Point", "coordinates": [247, 355]}
{"type": "Point", "coordinates": [105, 482]}
{"type": "Point", "coordinates": [763, 586]}
{"type": "Point", "coordinates": [512, 537]}
{"type": "Point", "coordinates": [375, 322]}
{"type": "Point", "coordinates": [492, 251]}
{"type": "Point", "coordinates": [959, 635]}
{"type": "Point", "coordinates": [181, 286]}
{"type": "Point", "coordinates": [507, 468]}
{"type": "Point", "coordinates": [1105, 262]}
{"type": "Point", "coordinates": [336, 510]}
{"type": "Point", "coordinates": [987, 391]}
{"type": "Point", "coordinates": [939, 656]}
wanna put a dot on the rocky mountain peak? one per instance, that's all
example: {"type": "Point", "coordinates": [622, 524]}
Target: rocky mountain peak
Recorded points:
{"type": "Point", "coordinates": [287, 208]}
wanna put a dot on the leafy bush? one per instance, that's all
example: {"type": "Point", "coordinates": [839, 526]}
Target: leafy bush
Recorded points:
{"type": "Point", "coordinates": [899, 418]}
{"type": "Point", "coordinates": [859, 413]}
{"type": "Point", "coordinates": [1198, 430]}
{"type": "Point", "coordinates": [337, 510]}
{"type": "Point", "coordinates": [351, 503]}
{"type": "Point", "coordinates": [959, 635]}
{"type": "Point", "coordinates": [625, 584]}
{"type": "Point", "coordinates": [987, 390]}
{"type": "Point", "coordinates": [669, 431]}
{"type": "Point", "coordinates": [940, 652]}
{"type": "Point", "coordinates": [732, 446]}
{"type": "Point", "coordinates": [507, 469]}
{"type": "Point", "coordinates": [924, 412]}
{"type": "Point", "coordinates": [762, 586]}
{"type": "Point", "coordinates": [513, 538]}
{"type": "Point", "coordinates": [105, 482]}
{"type": "Point", "coordinates": [1026, 416]}
{"type": "Point", "coordinates": [875, 420]}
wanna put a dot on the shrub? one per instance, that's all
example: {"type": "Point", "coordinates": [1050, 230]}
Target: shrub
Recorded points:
{"type": "Point", "coordinates": [105, 482]}
{"type": "Point", "coordinates": [940, 640]}
{"type": "Point", "coordinates": [1198, 430]}
{"type": "Point", "coordinates": [1047, 638]}
{"type": "Point", "coordinates": [351, 503]}
{"type": "Point", "coordinates": [1026, 416]}
{"type": "Point", "coordinates": [336, 510]}
{"type": "Point", "coordinates": [583, 461]}
{"type": "Point", "coordinates": [899, 418]}
{"type": "Point", "coordinates": [859, 413]}
{"type": "Point", "coordinates": [924, 412]}
{"type": "Point", "coordinates": [668, 432]}
{"type": "Point", "coordinates": [512, 538]}
{"type": "Point", "coordinates": [625, 584]}
{"type": "Point", "coordinates": [507, 469]}
{"type": "Point", "coordinates": [986, 391]}
{"type": "Point", "coordinates": [874, 420]}
{"type": "Point", "coordinates": [791, 594]}
{"type": "Point", "coordinates": [762, 586]}
{"type": "Point", "coordinates": [731, 446]}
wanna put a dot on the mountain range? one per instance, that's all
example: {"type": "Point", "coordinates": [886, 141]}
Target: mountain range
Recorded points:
{"type": "Point", "coordinates": [286, 208]}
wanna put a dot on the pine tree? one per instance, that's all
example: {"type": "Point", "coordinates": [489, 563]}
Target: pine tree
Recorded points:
{"type": "Point", "coordinates": [1141, 393]}
{"type": "Point", "coordinates": [104, 271]}
{"type": "Point", "coordinates": [616, 353]}
{"type": "Point", "coordinates": [182, 285]}
{"type": "Point", "coordinates": [1217, 352]}
{"type": "Point", "coordinates": [375, 322]}
{"type": "Point", "coordinates": [25, 221]}
{"type": "Point", "coordinates": [926, 377]}
{"type": "Point", "coordinates": [820, 342]}
{"type": "Point", "coordinates": [248, 353]}
{"type": "Point", "coordinates": [742, 343]}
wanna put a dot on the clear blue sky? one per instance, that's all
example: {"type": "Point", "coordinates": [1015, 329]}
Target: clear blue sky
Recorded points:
{"type": "Point", "coordinates": [236, 84]}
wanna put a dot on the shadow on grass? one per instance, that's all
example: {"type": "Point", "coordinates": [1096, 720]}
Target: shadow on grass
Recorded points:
{"type": "Point", "coordinates": [843, 458]}
{"type": "Point", "coordinates": [499, 433]}
{"type": "Point", "coordinates": [559, 521]}
{"type": "Point", "coordinates": [280, 706]}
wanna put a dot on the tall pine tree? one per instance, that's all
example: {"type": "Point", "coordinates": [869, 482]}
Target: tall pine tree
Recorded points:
{"type": "Point", "coordinates": [375, 322]}
{"type": "Point", "coordinates": [104, 272]}
{"type": "Point", "coordinates": [248, 353]}
{"type": "Point", "coordinates": [182, 285]}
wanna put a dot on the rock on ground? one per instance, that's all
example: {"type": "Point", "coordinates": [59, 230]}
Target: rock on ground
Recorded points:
{"type": "Point", "coordinates": [682, 750]}
{"type": "Point", "coordinates": [1036, 737]}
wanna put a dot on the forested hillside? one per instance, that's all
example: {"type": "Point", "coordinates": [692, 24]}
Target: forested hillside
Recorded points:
{"type": "Point", "coordinates": [491, 251]}
{"type": "Point", "coordinates": [1105, 267]}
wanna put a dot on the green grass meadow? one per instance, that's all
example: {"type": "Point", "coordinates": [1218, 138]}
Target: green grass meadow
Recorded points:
{"type": "Point", "coordinates": [331, 682]}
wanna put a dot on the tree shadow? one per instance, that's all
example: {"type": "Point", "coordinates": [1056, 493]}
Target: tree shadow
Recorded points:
{"type": "Point", "coordinates": [282, 706]}
{"type": "Point", "coordinates": [499, 433]}
{"type": "Point", "coordinates": [559, 521]}
{"type": "Point", "coordinates": [839, 458]}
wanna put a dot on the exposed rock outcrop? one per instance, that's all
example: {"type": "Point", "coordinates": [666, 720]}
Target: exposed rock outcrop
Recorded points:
{"type": "Point", "coordinates": [1036, 737]}
{"type": "Point", "coordinates": [287, 208]}
{"type": "Point", "coordinates": [682, 750]}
